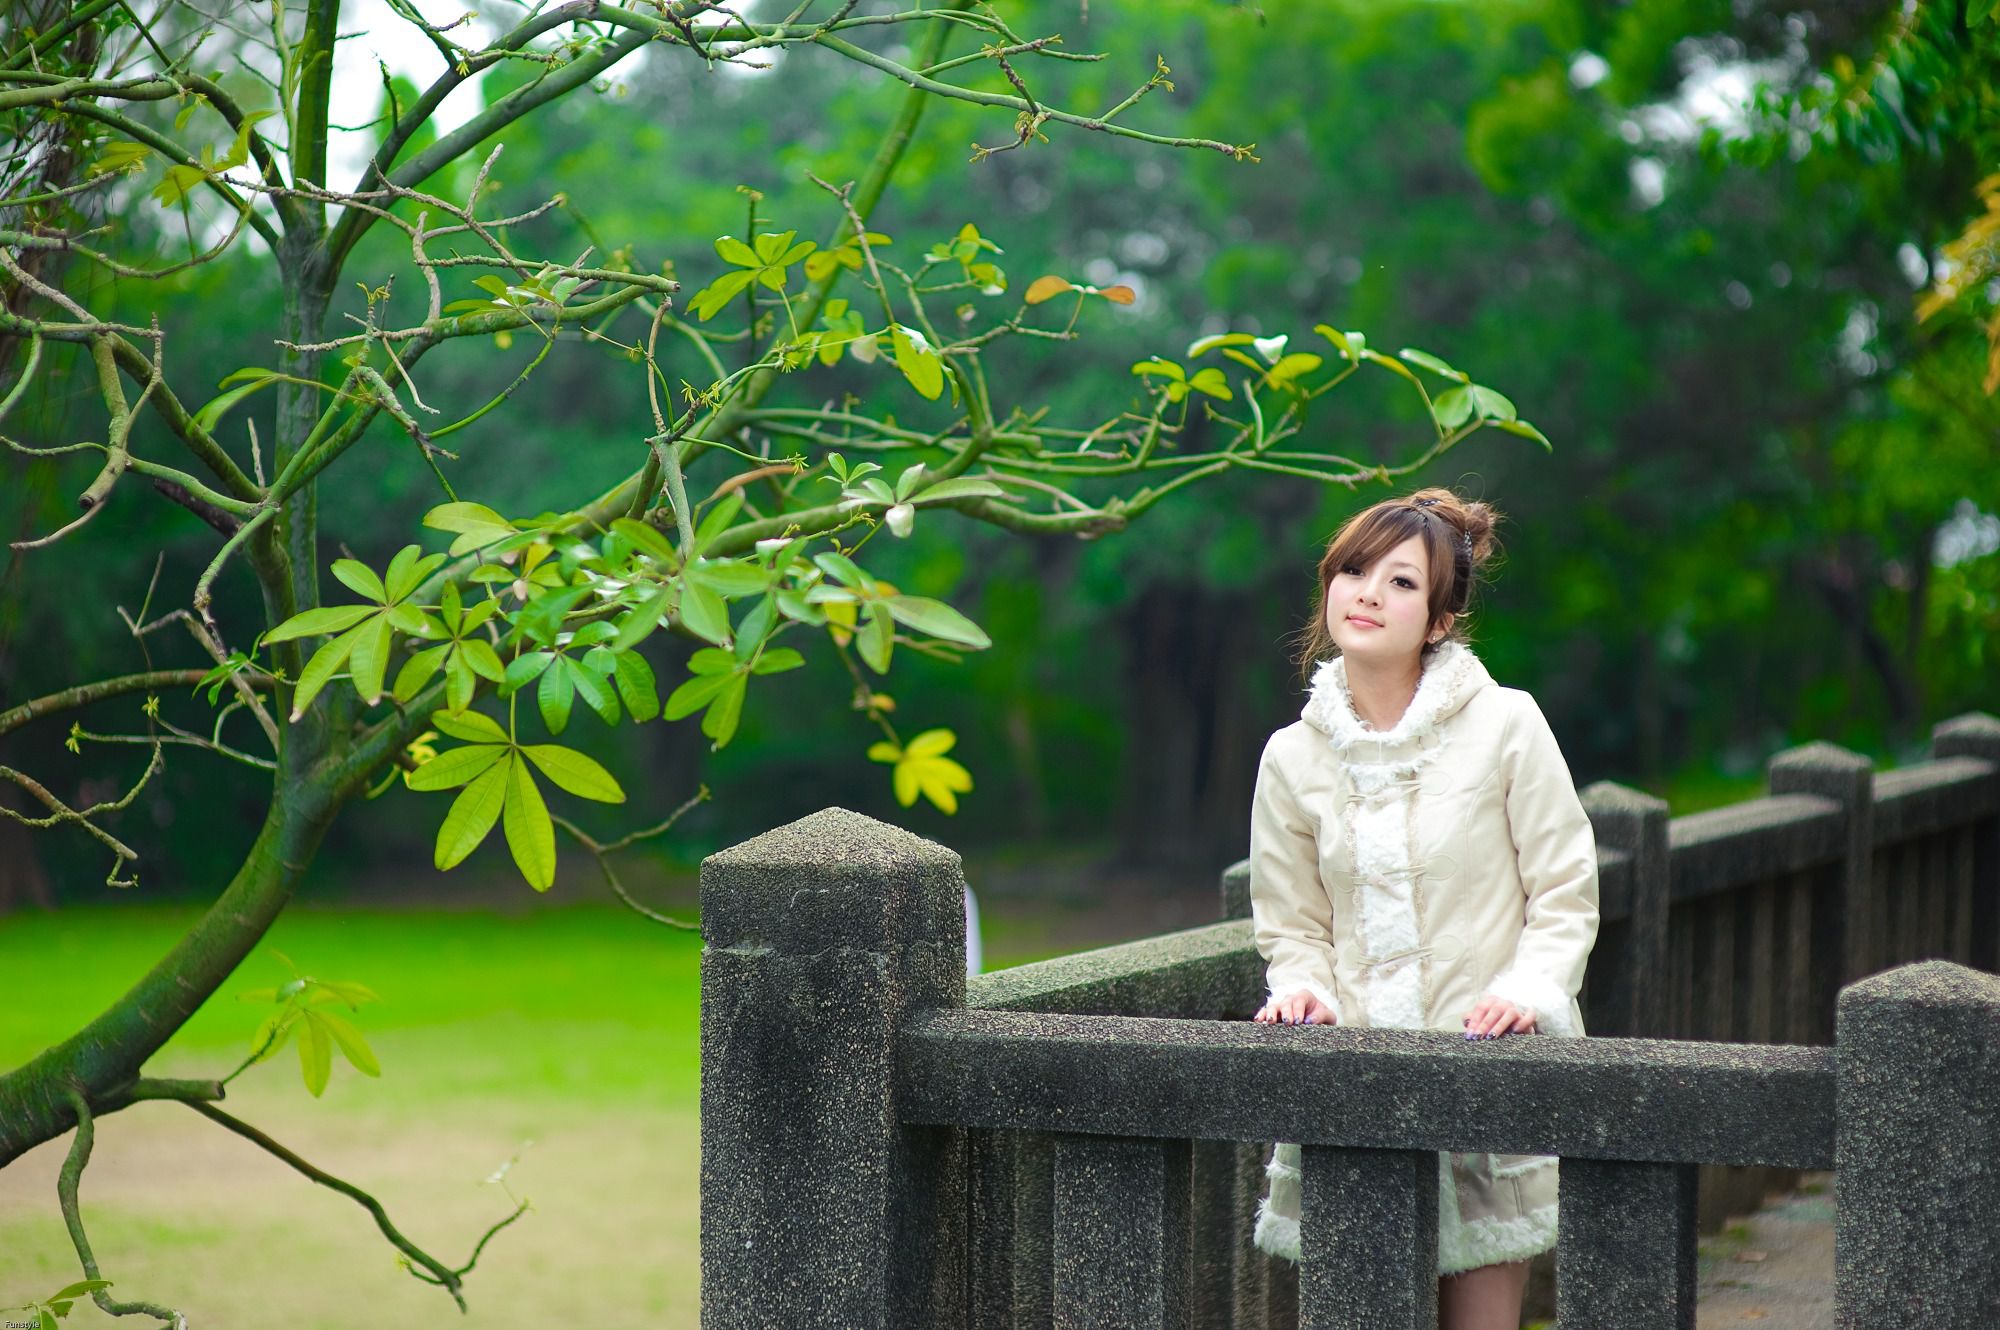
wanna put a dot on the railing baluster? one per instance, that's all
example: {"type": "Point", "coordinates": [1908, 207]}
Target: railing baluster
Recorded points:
{"type": "Point", "coordinates": [1121, 1233]}
{"type": "Point", "coordinates": [1369, 1240]}
{"type": "Point", "coordinates": [1212, 1226]}
{"type": "Point", "coordinates": [1626, 1249]}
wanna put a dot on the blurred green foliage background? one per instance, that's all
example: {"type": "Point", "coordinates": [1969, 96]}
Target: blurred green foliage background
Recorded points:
{"type": "Point", "coordinates": [1767, 517]}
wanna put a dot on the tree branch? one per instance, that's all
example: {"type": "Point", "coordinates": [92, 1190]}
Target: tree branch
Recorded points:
{"type": "Point", "coordinates": [84, 694]}
{"type": "Point", "coordinates": [66, 1193]}
{"type": "Point", "coordinates": [451, 1279]}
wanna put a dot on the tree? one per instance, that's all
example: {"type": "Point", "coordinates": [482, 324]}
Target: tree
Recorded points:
{"type": "Point", "coordinates": [737, 527]}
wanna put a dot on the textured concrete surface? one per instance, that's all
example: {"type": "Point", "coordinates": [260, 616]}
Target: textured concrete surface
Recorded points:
{"type": "Point", "coordinates": [1635, 1099]}
{"type": "Point", "coordinates": [1627, 1248]}
{"type": "Point", "coordinates": [818, 1207]}
{"type": "Point", "coordinates": [1916, 1242]}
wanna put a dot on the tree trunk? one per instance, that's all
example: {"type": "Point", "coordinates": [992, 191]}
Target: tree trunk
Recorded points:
{"type": "Point", "coordinates": [104, 1057]}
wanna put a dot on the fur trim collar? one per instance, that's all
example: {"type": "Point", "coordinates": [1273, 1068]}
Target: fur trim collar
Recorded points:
{"type": "Point", "coordinates": [1451, 678]}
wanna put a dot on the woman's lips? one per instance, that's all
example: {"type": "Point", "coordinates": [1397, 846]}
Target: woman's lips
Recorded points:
{"type": "Point", "coordinates": [1362, 623]}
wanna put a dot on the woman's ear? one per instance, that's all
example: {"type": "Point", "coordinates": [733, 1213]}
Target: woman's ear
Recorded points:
{"type": "Point", "coordinates": [1443, 628]}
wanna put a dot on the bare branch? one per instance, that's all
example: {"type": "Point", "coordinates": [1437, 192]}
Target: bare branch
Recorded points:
{"type": "Point", "coordinates": [66, 1192]}
{"type": "Point", "coordinates": [452, 1280]}
{"type": "Point", "coordinates": [602, 853]}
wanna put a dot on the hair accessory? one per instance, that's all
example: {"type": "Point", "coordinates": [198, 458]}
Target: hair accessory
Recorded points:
{"type": "Point", "coordinates": [1465, 537]}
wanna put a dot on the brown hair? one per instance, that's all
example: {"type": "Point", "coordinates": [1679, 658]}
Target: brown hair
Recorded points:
{"type": "Point", "coordinates": [1457, 534]}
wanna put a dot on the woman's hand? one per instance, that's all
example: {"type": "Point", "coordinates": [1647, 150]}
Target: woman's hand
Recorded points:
{"type": "Point", "coordinates": [1493, 1017]}
{"type": "Point", "coordinates": [1300, 1008]}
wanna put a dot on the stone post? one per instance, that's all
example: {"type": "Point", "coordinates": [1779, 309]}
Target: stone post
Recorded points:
{"type": "Point", "coordinates": [1917, 1102]}
{"type": "Point", "coordinates": [1634, 971]}
{"type": "Point", "coordinates": [1977, 734]}
{"type": "Point", "coordinates": [1847, 937]}
{"type": "Point", "coordinates": [818, 1208]}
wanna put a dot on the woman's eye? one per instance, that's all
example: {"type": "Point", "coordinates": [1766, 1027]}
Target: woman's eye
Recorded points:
{"type": "Point", "coordinates": [1404, 581]}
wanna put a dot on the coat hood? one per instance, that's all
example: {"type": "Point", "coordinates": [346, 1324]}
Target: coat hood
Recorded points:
{"type": "Point", "coordinates": [1452, 676]}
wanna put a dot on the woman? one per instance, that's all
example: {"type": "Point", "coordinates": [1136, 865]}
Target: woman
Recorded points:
{"type": "Point", "coordinates": [1419, 860]}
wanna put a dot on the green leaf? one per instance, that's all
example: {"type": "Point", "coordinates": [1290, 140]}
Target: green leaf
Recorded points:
{"type": "Point", "coordinates": [1291, 366]}
{"type": "Point", "coordinates": [1526, 431]}
{"type": "Point", "coordinates": [456, 766]}
{"type": "Point", "coordinates": [212, 411]}
{"type": "Point", "coordinates": [272, 1032]}
{"type": "Point", "coordinates": [647, 539]}
{"type": "Point", "coordinates": [471, 726]}
{"type": "Point", "coordinates": [483, 659]}
{"type": "Point", "coordinates": [370, 658]}
{"type": "Point", "coordinates": [842, 569]}
{"type": "Point", "coordinates": [637, 626]}
{"type": "Point", "coordinates": [315, 1054]}
{"type": "Point", "coordinates": [938, 619]}
{"type": "Point", "coordinates": [556, 695]}
{"type": "Point", "coordinates": [1453, 407]}
{"type": "Point", "coordinates": [476, 525]}
{"type": "Point", "coordinates": [1213, 382]}
{"type": "Point", "coordinates": [756, 626]}
{"type": "Point", "coordinates": [1426, 360]}
{"type": "Point", "coordinates": [351, 1042]}
{"type": "Point", "coordinates": [637, 687]}
{"type": "Point", "coordinates": [325, 619]}
{"type": "Point", "coordinates": [704, 613]}
{"type": "Point", "coordinates": [1203, 345]}
{"type": "Point", "coordinates": [472, 816]}
{"type": "Point", "coordinates": [1158, 368]}
{"type": "Point", "coordinates": [531, 836]}
{"type": "Point", "coordinates": [523, 670]}
{"type": "Point", "coordinates": [876, 639]}
{"type": "Point", "coordinates": [459, 682]}
{"type": "Point", "coordinates": [1389, 363]}
{"type": "Point", "coordinates": [1349, 345]}
{"type": "Point", "coordinates": [1492, 405]}
{"type": "Point", "coordinates": [919, 363]}
{"type": "Point", "coordinates": [576, 773]}
{"type": "Point", "coordinates": [719, 723]}
{"type": "Point", "coordinates": [78, 1289]}
{"type": "Point", "coordinates": [730, 579]}
{"type": "Point", "coordinates": [595, 690]}
{"type": "Point", "coordinates": [732, 250]}
{"type": "Point", "coordinates": [715, 297]}
{"type": "Point", "coordinates": [777, 661]}
{"type": "Point", "coordinates": [959, 487]}
{"type": "Point", "coordinates": [325, 663]}
{"type": "Point", "coordinates": [695, 694]}
{"type": "Point", "coordinates": [717, 519]}
{"type": "Point", "coordinates": [411, 621]}
{"type": "Point", "coordinates": [795, 607]}
{"type": "Point", "coordinates": [417, 672]}
{"type": "Point", "coordinates": [407, 571]}
{"type": "Point", "coordinates": [360, 578]}
{"type": "Point", "coordinates": [711, 660]}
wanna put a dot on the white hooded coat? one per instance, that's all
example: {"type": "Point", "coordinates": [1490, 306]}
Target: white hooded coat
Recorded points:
{"type": "Point", "coordinates": [1400, 876]}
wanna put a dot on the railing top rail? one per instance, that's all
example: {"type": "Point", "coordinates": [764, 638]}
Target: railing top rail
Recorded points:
{"type": "Point", "coordinates": [1197, 972]}
{"type": "Point", "coordinates": [1723, 848]}
{"type": "Point", "coordinates": [1623, 1099]}
{"type": "Point", "coordinates": [1925, 797]}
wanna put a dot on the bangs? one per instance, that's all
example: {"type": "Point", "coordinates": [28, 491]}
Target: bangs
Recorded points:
{"type": "Point", "coordinates": [1373, 535]}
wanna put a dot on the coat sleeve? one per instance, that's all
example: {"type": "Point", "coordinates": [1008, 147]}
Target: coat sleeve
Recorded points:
{"type": "Point", "coordinates": [1291, 916]}
{"type": "Point", "coordinates": [1557, 855]}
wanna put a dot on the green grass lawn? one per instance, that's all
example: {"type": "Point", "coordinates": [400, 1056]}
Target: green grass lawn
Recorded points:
{"type": "Point", "coordinates": [573, 1027]}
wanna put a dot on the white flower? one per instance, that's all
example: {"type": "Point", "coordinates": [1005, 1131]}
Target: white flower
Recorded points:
{"type": "Point", "coordinates": [1271, 347]}
{"type": "Point", "coordinates": [900, 518]}
{"type": "Point", "coordinates": [771, 544]}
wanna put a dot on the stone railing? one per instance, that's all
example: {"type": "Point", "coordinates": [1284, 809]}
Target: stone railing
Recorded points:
{"type": "Point", "coordinates": [1079, 1142]}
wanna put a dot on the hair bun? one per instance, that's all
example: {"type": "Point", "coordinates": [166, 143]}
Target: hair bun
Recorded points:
{"type": "Point", "coordinates": [1475, 520]}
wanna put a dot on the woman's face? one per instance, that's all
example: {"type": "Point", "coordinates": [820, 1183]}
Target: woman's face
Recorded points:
{"type": "Point", "coordinates": [1382, 612]}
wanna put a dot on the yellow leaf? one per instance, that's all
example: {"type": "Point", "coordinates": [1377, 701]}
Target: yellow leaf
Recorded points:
{"type": "Point", "coordinates": [1046, 288]}
{"type": "Point", "coordinates": [931, 743]}
{"type": "Point", "coordinates": [1119, 295]}
{"type": "Point", "coordinates": [884, 751]}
